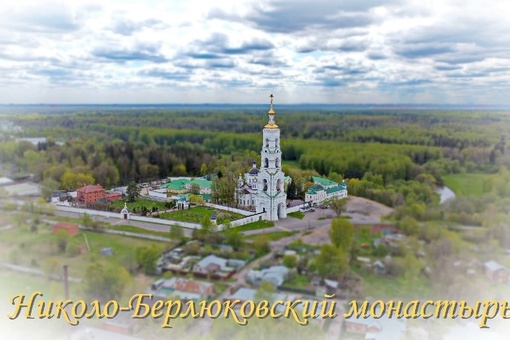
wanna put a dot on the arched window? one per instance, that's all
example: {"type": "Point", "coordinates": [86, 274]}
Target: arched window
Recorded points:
{"type": "Point", "coordinates": [266, 163]}
{"type": "Point", "coordinates": [265, 185]}
{"type": "Point", "coordinates": [277, 163]}
{"type": "Point", "coordinates": [276, 142]}
{"type": "Point", "coordinates": [267, 142]}
{"type": "Point", "coordinates": [278, 184]}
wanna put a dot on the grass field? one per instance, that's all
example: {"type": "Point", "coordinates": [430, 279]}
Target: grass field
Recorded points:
{"type": "Point", "coordinates": [139, 203]}
{"type": "Point", "coordinates": [297, 214]}
{"type": "Point", "coordinates": [197, 214]}
{"type": "Point", "coordinates": [466, 184]}
{"type": "Point", "coordinates": [37, 249]}
{"type": "Point", "coordinates": [256, 225]}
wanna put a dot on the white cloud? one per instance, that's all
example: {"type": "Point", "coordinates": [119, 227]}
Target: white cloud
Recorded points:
{"type": "Point", "coordinates": [194, 51]}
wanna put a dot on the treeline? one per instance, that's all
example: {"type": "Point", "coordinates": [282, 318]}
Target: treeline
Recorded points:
{"type": "Point", "coordinates": [116, 147]}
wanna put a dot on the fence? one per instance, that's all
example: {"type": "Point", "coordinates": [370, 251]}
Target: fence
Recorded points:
{"type": "Point", "coordinates": [293, 209]}
{"type": "Point", "coordinates": [221, 207]}
{"type": "Point", "coordinates": [108, 214]}
{"type": "Point", "coordinates": [245, 220]}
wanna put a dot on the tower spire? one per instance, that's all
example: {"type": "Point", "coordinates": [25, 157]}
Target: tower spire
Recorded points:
{"type": "Point", "coordinates": [271, 110]}
{"type": "Point", "coordinates": [271, 123]}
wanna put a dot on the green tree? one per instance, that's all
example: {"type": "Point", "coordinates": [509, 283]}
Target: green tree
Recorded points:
{"type": "Point", "coordinates": [289, 261]}
{"type": "Point", "coordinates": [132, 192]}
{"type": "Point", "coordinates": [234, 238]}
{"type": "Point", "coordinates": [409, 225]}
{"type": "Point", "coordinates": [261, 244]}
{"type": "Point", "coordinates": [176, 232]}
{"type": "Point", "coordinates": [331, 262]}
{"type": "Point", "coordinates": [87, 221]}
{"type": "Point", "coordinates": [147, 258]}
{"type": "Point", "coordinates": [341, 233]}
{"type": "Point", "coordinates": [195, 199]}
{"type": "Point", "coordinates": [338, 205]}
{"type": "Point", "coordinates": [105, 282]}
{"type": "Point", "coordinates": [265, 291]}
{"type": "Point", "coordinates": [195, 189]}
{"type": "Point", "coordinates": [62, 237]}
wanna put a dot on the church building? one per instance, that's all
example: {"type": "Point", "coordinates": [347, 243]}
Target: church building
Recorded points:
{"type": "Point", "coordinates": [262, 189]}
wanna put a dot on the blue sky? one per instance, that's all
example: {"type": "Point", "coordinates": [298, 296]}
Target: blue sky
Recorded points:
{"type": "Point", "coordinates": [364, 51]}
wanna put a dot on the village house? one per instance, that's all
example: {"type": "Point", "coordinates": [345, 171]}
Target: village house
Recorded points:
{"type": "Point", "coordinates": [495, 272]}
{"type": "Point", "coordinates": [217, 266]}
{"type": "Point", "coordinates": [275, 274]}
{"type": "Point", "coordinates": [383, 328]}
{"type": "Point", "coordinates": [243, 294]}
{"type": "Point", "coordinates": [185, 289]}
{"type": "Point", "coordinates": [90, 193]}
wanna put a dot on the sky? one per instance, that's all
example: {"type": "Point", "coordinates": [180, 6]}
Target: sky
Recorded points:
{"type": "Point", "coordinates": [353, 52]}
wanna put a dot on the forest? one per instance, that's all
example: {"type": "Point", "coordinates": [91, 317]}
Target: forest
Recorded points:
{"type": "Point", "coordinates": [397, 157]}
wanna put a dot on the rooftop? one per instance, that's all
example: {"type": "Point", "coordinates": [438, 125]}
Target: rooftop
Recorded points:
{"type": "Point", "coordinates": [176, 184]}
{"type": "Point", "coordinates": [203, 183]}
{"type": "Point", "coordinates": [493, 265]}
{"type": "Point", "coordinates": [323, 181]}
{"type": "Point", "coordinates": [87, 189]}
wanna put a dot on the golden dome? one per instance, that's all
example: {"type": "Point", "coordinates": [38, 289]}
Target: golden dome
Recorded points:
{"type": "Point", "coordinates": [271, 126]}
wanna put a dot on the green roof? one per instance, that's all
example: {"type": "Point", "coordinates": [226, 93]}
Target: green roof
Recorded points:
{"type": "Point", "coordinates": [203, 183]}
{"type": "Point", "coordinates": [178, 184]}
{"type": "Point", "coordinates": [323, 181]}
{"type": "Point", "coordinates": [314, 189]}
{"type": "Point", "coordinates": [335, 189]}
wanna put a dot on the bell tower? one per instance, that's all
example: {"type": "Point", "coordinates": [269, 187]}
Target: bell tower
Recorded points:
{"type": "Point", "coordinates": [271, 197]}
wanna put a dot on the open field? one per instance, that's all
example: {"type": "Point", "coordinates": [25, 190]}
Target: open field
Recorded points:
{"type": "Point", "coordinates": [466, 184]}
{"type": "Point", "coordinates": [39, 249]}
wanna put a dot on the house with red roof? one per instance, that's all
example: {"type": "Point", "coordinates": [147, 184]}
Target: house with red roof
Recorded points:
{"type": "Point", "coordinates": [90, 193]}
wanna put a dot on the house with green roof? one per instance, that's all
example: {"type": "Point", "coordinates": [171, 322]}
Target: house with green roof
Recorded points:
{"type": "Point", "coordinates": [176, 186]}
{"type": "Point", "coordinates": [204, 184]}
{"type": "Point", "coordinates": [324, 189]}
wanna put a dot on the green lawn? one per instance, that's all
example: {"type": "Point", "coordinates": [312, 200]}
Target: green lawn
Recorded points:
{"type": "Point", "coordinates": [383, 287]}
{"type": "Point", "coordinates": [139, 203]}
{"type": "Point", "coordinates": [197, 214]}
{"type": "Point", "coordinates": [256, 225]}
{"type": "Point", "coordinates": [297, 214]}
{"type": "Point", "coordinates": [466, 184]}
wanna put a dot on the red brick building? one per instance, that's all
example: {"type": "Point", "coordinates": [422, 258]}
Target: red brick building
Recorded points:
{"type": "Point", "coordinates": [71, 228]}
{"type": "Point", "coordinates": [90, 193]}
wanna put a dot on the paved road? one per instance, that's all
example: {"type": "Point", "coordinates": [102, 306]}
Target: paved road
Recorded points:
{"type": "Point", "coordinates": [318, 218]}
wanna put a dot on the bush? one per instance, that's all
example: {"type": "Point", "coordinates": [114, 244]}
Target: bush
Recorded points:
{"type": "Point", "coordinates": [72, 249]}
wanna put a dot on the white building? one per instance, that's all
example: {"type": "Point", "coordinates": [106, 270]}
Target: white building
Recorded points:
{"type": "Point", "coordinates": [324, 189]}
{"type": "Point", "coordinates": [262, 189]}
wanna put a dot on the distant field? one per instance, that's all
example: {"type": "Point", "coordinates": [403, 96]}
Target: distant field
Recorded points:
{"type": "Point", "coordinates": [466, 184]}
